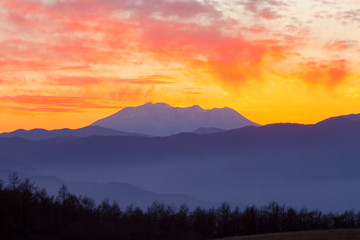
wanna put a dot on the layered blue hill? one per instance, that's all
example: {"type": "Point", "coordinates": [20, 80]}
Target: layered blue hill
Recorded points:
{"type": "Point", "coordinates": [42, 134]}
{"type": "Point", "coordinates": [316, 166]}
{"type": "Point", "coordinates": [123, 193]}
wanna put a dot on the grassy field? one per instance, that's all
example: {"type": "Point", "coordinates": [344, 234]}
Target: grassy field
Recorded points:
{"type": "Point", "coordinates": [341, 234]}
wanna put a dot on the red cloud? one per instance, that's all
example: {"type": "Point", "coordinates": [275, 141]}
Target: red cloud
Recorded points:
{"type": "Point", "coordinates": [83, 33]}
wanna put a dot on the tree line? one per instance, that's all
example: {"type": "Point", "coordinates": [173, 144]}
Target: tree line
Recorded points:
{"type": "Point", "coordinates": [29, 212]}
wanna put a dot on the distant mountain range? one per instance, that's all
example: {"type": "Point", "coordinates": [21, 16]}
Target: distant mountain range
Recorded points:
{"type": "Point", "coordinates": [161, 119]}
{"type": "Point", "coordinates": [204, 130]}
{"type": "Point", "coordinates": [42, 134]}
{"type": "Point", "coordinates": [316, 166]}
{"type": "Point", "coordinates": [158, 119]}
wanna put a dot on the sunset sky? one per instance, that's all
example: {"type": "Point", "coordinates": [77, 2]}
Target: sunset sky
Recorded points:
{"type": "Point", "coordinates": [67, 63]}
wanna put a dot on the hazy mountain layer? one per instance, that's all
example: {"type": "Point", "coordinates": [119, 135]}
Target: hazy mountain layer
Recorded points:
{"type": "Point", "coordinates": [316, 166]}
{"type": "Point", "coordinates": [42, 134]}
{"type": "Point", "coordinates": [123, 193]}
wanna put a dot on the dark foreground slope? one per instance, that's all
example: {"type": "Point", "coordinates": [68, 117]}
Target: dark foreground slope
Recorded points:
{"type": "Point", "coordinates": [315, 166]}
{"type": "Point", "coordinates": [340, 234]}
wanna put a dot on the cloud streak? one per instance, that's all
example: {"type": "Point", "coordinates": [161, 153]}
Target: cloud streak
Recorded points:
{"type": "Point", "coordinates": [86, 81]}
{"type": "Point", "coordinates": [52, 103]}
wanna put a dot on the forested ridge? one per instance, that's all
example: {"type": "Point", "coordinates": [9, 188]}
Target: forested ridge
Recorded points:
{"type": "Point", "coordinates": [28, 212]}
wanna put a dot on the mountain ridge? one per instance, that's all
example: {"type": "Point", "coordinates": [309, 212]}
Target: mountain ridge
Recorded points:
{"type": "Point", "coordinates": [43, 134]}
{"type": "Point", "coordinates": [161, 119]}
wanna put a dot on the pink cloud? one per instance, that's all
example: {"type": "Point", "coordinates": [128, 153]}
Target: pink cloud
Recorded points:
{"type": "Point", "coordinates": [268, 14]}
{"type": "Point", "coordinates": [178, 8]}
{"type": "Point", "coordinates": [183, 9]}
{"type": "Point", "coordinates": [350, 16]}
{"type": "Point", "coordinates": [264, 8]}
{"type": "Point", "coordinates": [341, 45]}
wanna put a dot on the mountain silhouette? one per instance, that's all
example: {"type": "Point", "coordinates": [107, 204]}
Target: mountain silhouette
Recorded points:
{"type": "Point", "coordinates": [42, 134]}
{"type": "Point", "coordinates": [341, 120]}
{"type": "Point", "coordinates": [161, 119]}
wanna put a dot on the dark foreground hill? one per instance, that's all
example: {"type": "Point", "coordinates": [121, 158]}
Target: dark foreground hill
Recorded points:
{"type": "Point", "coordinates": [339, 234]}
{"type": "Point", "coordinates": [316, 166]}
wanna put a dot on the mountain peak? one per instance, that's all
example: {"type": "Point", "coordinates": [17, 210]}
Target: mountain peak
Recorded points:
{"type": "Point", "coordinates": [159, 104]}
{"type": "Point", "coordinates": [196, 107]}
{"type": "Point", "coordinates": [161, 119]}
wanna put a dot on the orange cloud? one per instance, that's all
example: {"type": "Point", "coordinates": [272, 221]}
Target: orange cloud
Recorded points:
{"type": "Point", "coordinates": [43, 103]}
{"type": "Point", "coordinates": [84, 81]}
{"type": "Point", "coordinates": [78, 81]}
{"type": "Point", "coordinates": [146, 81]}
{"type": "Point", "coordinates": [232, 60]}
{"type": "Point", "coordinates": [329, 73]}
